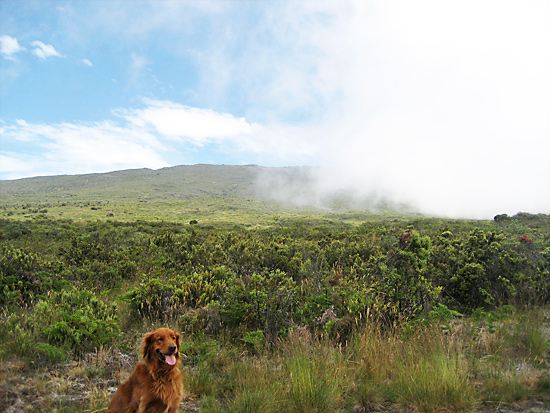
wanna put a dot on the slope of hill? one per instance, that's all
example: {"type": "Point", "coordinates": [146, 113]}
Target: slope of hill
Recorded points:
{"type": "Point", "coordinates": [206, 193]}
{"type": "Point", "coordinates": [171, 182]}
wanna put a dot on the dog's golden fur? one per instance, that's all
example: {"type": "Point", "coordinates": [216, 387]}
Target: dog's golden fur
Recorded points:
{"type": "Point", "coordinates": [156, 385]}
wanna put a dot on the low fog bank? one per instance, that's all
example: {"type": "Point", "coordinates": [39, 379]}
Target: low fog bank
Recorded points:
{"type": "Point", "coordinates": [424, 115]}
{"type": "Point", "coordinates": [430, 193]}
{"type": "Point", "coordinates": [318, 187]}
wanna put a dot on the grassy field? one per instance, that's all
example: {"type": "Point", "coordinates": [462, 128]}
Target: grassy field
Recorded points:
{"type": "Point", "coordinates": [282, 307]}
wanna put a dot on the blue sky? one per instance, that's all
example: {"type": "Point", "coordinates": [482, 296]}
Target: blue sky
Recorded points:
{"type": "Point", "coordinates": [443, 105]}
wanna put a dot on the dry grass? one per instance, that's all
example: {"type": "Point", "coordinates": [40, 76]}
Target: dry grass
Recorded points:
{"type": "Point", "coordinates": [416, 369]}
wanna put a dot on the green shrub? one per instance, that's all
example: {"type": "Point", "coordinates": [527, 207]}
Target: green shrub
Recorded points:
{"type": "Point", "coordinates": [77, 320]}
{"type": "Point", "coordinates": [255, 339]}
{"type": "Point", "coordinates": [17, 337]}
{"type": "Point", "coordinates": [152, 298]}
{"type": "Point", "coordinates": [50, 353]}
{"type": "Point", "coordinates": [401, 281]}
{"type": "Point", "coordinates": [479, 271]}
{"type": "Point", "coordinates": [11, 230]}
{"type": "Point", "coordinates": [84, 248]}
{"type": "Point", "coordinates": [164, 297]}
{"type": "Point", "coordinates": [22, 280]}
{"type": "Point", "coordinates": [266, 302]}
{"type": "Point", "coordinates": [13, 260]}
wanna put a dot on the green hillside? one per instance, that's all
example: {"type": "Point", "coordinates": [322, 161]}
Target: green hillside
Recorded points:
{"type": "Point", "coordinates": [205, 193]}
{"type": "Point", "coordinates": [174, 182]}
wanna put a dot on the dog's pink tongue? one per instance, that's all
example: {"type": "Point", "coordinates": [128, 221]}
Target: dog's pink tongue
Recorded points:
{"type": "Point", "coordinates": [170, 360]}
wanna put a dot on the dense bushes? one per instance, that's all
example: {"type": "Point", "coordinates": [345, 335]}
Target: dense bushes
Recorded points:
{"type": "Point", "coordinates": [77, 320]}
{"type": "Point", "coordinates": [268, 280]}
{"type": "Point", "coordinates": [70, 322]}
{"type": "Point", "coordinates": [22, 277]}
{"type": "Point", "coordinates": [484, 270]}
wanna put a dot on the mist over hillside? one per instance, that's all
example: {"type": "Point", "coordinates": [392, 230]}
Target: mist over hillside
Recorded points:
{"type": "Point", "coordinates": [215, 188]}
{"type": "Point", "coordinates": [315, 187]}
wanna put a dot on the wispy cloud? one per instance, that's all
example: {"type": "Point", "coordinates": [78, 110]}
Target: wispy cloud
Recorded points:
{"type": "Point", "coordinates": [198, 127]}
{"type": "Point", "coordinates": [43, 51]}
{"type": "Point", "coordinates": [86, 62]}
{"type": "Point", "coordinates": [139, 72]}
{"type": "Point", "coordinates": [9, 46]}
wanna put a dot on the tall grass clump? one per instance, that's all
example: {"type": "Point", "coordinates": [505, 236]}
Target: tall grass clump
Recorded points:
{"type": "Point", "coordinates": [315, 373]}
{"type": "Point", "coordinates": [374, 353]}
{"type": "Point", "coordinates": [255, 386]}
{"type": "Point", "coordinates": [505, 386]}
{"type": "Point", "coordinates": [303, 374]}
{"type": "Point", "coordinates": [531, 340]}
{"type": "Point", "coordinates": [434, 381]}
{"type": "Point", "coordinates": [245, 384]}
{"type": "Point", "coordinates": [424, 371]}
{"type": "Point", "coordinates": [201, 381]}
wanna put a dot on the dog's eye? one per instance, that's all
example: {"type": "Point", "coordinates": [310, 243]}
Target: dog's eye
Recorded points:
{"type": "Point", "coordinates": [161, 339]}
{"type": "Point", "coordinates": [173, 337]}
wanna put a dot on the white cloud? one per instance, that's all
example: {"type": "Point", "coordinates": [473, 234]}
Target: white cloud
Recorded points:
{"type": "Point", "coordinates": [198, 127]}
{"type": "Point", "coordinates": [71, 148]}
{"type": "Point", "coordinates": [142, 137]}
{"type": "Point", "coordinates": [43, 51]}
{"type": "Point", "coordinates": [9, 46]}
{"type": "Point", "coordinates": [182, 122]}
{"type": "Point", "coordinates": [14, 166]}
{"type": "Point", "coordinates": [86, 62]}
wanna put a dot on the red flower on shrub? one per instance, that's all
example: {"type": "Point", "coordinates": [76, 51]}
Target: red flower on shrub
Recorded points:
{"type": "Point", "coordinates": [525, 239]}
{"type": "Point", "coordinates": [405, 237]}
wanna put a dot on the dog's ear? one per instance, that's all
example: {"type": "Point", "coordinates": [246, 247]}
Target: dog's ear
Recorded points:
{"type": "Point", "coordinates": [146, 345]}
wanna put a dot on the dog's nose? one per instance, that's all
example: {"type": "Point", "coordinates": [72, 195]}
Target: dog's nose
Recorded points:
{"type": "Point", "coordinates": [172, 349]}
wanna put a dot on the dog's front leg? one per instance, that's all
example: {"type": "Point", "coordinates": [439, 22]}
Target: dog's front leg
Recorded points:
{"type": "Point", "coordinates": [172, 409]}
{"type": "Point", "coordinates": [142, 405]}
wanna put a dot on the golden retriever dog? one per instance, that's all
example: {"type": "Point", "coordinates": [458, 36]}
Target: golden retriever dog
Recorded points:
{"type": "Point", "coordinates": [156, 385]}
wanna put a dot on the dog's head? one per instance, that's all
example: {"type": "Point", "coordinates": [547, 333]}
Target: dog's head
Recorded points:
{"type": "Point", "coordinates": [162, 346]}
